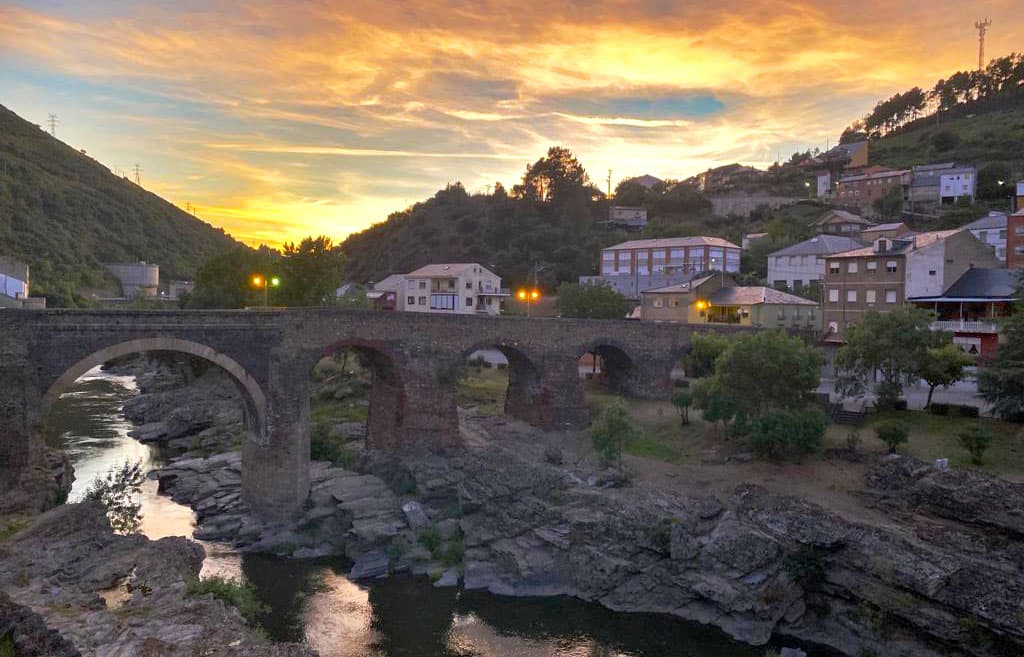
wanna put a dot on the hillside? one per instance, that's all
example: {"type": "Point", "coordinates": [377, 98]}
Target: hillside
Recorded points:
{"type": "Point", "coordinates": [65, 213]}
{"type": "Point", "coordinates": [980, 139]}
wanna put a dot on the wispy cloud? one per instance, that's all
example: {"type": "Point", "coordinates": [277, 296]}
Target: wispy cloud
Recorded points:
{"type": "Point", "coordinates": [281, 119]}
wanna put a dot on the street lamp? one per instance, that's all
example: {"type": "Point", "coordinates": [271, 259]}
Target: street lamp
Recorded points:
{"type": "Point", "coordinates": [528, 296]}
{"type": "Point", "coordinates": [259, 281]}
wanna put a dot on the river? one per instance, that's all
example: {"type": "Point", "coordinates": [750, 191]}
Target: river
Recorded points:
{"type": "Point", "coordinates": [313, 601]}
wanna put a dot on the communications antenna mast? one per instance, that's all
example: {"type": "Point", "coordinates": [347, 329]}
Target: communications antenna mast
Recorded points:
{"type": "Point", "coordinates": [982, 27]}
{"type": "Point", "coordinates": [138, 175]}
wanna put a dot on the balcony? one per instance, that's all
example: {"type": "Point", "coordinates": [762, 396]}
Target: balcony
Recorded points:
{"type": "Point", "coordinates": [494, 292]}
{"type": "Point", "coordinates": [965, 326]}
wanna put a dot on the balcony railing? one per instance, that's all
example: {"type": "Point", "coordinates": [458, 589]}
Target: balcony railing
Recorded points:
{"type": "Point", "coordinates": [965, 326]}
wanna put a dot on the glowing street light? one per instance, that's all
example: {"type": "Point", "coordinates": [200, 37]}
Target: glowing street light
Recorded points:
{"type": "Point", "coordinates": [529, 296]}
{"type": "Point", "coordinates": [259, 281]}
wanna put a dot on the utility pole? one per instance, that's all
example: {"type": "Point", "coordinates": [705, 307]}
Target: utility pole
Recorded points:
{"type": "Point", "coordinates": [53, 121]}
{"type": "Point", "coordinates": [138, 175]}
{"type": "Point", "coordinates": [982, 27]}
{"type": "Point", "coordinates": [609, 183]}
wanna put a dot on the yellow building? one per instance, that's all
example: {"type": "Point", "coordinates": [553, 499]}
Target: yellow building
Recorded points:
{"type": "Point", "coordinates": [714, 300]}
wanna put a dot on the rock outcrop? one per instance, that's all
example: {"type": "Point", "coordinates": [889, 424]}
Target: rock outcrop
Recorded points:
{"type": "Point", "coordinates": [116, 595]}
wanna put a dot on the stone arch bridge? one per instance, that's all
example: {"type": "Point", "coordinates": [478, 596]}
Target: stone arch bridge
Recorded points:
{"type": "Point", "coordinates": [270, 356]}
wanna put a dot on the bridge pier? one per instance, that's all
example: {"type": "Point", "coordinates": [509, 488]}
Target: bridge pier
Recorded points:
{"type": "Point", "coordinates": [275, 467]}
{"type": "Point", "coordinates": [648, 377]}
{"type": "Point", "coordinates": [430, 419]}
{"type": "Point", "coordinates": [560, 403]}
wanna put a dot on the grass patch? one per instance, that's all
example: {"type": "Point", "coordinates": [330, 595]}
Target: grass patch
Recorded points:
{"type": "Point", "coordinates": [241, 596]}
{"type": "Point", "coordinates": [937, 436]}
{"type": "Point", "coordinates": [658, 434]}
{"type": "Point", "coordinates": [11, 525]}
{"type": "Point", "coordinates": [483, 388]}
{"type": "Point", "coordinates": [329, 411]}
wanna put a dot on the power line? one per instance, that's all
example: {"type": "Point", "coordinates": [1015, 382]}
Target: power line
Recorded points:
{"type": "Point", "coordinates": [53, 121]}
{"type": "Point", "coordinates": [138, 175]}
{"type": "Point", "coordinates": [982, 27]}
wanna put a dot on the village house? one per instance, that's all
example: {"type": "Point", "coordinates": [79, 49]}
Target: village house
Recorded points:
{"type": "Point", "coordinates": [862, 189]}
{"type": "Point", "coordinates": [841, 222]}
{"type": "Point", "coordinates": [803, 264]}
{"type": "Point", "coordinates": [716, 299]}
{"type": "Point", "coordinates": [884, 275]}
{"type": "Point", "coordinates": [1015, 240]}
{"type": "Point", "coordinates": [891, 230]}
{"type": "Point", "coordinates": [991, 230]}
{"type": "Point", "coordinates": [628, 217]}
{"type": "Point", "coordinates": [454, 288]}
{"type": "Point", "coordinates": [971, 308]}
{"type": "Point", "coordinates": [937, 184]}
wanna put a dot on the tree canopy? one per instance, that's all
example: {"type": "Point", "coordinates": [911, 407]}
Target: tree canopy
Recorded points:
{"type": "Point", "coordinates": [592, 302]}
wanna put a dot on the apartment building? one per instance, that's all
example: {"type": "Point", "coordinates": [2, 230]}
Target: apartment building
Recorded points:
{"type": "Point", "coordinates": [884, 275]}
{"type": "Point", "coordinates": [668, 255]}
{"type": "Point", "coordinates": [862, 189]}
{"type": "Point", "coordinates": [947, 182]}
{"type": "Point", "coordinates": [454, 288]}
{"type": "Point", "coordinates": [803, 265]}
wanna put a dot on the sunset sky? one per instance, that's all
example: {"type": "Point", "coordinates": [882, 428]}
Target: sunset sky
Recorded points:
{"type": "Point", "coordinates": [282, 119]}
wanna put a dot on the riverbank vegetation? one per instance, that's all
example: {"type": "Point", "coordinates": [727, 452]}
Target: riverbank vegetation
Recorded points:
{"type": "Point", "coordinates": [241, 595]}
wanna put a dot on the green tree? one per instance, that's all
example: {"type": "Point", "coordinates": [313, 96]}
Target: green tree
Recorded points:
{"type": "Point", "coordinates": [785, 431]}
{"type": "Point", "coordinates": [552, 178]}
{"type": "Point", "coordinates": [890, 206]}
{"type": "Point", "coordinates": [591, 302]}
{"type": "Point", "coordinates": [705, 348]}
{"type": "Point", "coordinates": [682, 400]}
{"type": "Point", "coordinates": [310, 272]}
{"type": "Point", "coordinates": [893, 433]}
{"type": "Point", "coordinates": [942, 366]}
{"type": "Point", "coordinates": [976, 441]}
{"type": "Point", "coordinates": [118, 493]}
{"type": "Point", "coordinates": [751, 371]}
{"type": "Point", "coordinates": [610, 432]}
{"type": "Point", "coordinates": [224, 280]}
{"type": "Point", "coordinates": [995, 181]}
{"type": "Point", "coordinates": [893, 343]}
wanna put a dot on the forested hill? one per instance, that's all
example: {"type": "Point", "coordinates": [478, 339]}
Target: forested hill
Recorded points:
{"type": "Point", "coordinates": [65, 214]}
{"type": "Point", "coordinates": [552, 220]}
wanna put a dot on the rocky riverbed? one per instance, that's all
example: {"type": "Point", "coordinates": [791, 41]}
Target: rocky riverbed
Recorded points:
{"type": "Point", "coordinates": [520, 513]}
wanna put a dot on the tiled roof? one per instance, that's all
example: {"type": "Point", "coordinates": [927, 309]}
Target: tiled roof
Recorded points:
{"type": "Point", "coordinates": [820, 245]}
{"type": "Point", "coordinates": [754, 295]}
{"type": "Point", "coordinates": [443, 269]}
{"type": "Point", "coordinates": [912, 242]}
{"type": "Point", "coordinates": [979, 282]}
{"type": "Point", "coordinates": [992, 220]}
{"type": "Point", "coordinates": [872, 176]}
{"type": "Point", "coordinates": [844, 216]}
{"type": "Point", "coordinates": [673, 241]}
{"type": "Point", "coordinates": [678, 287]}
{"type": "Point", "coordinates": [881, 227]}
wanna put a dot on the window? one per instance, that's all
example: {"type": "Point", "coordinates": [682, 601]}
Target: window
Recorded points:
{"type": "Point", "coordinates": [782, 314]}
{"type": "Point", "coordinates": [411, 301]}
{"type": "Point", "coordinates": [676, 255]}
{"type": "Point", "coordinates": [1002, 234]}
{"type": "Point", "coordinates": [833, 327]}
{"type": "Point", "coordinates": [833, 267]}
{"type": "Point", "coordinates": [423, 285]}
{"type": "Point", "coordinates": [1019, 250]}
{"type": "Point", "coordinates": [851, 268]}
{"type": "Point", "coordinates": [796, 313]}
{"type": "Point", "coordinates": [890, 296]}
{"type": "Point", "coordinates": [872, 266]}
{"type": "Point", "coordinates": [451, 284]}
{"type": "Point", "coordinates": [797, 284]}
{"type": "Point", "coordinates": [608, 256]}
{"type": "Point", "coordinates": [442, 301]}
{"type": "Point", "coordinates": [469, 302]}
{"type": "Point", "coordinates": [423, 301]}
{"type": "Point", "coordinates": [1019, 230]}
{"type": "Point", "coordinates": [890, 266]}
{"type": "Point", "coordinates": [657, 303]}
{"type": "Point", "coordinates": [869, 296]}
{"type": "Point", "coordinates": [833, 295]}
{"type": "Point", "coordinates": [469, 285]}
{"type": "Point", "coordinates": [851, 296]}
{"type": "Point", "coordinates": [983, 235]}
{"type": "Point", "coordinates": [931, 272]}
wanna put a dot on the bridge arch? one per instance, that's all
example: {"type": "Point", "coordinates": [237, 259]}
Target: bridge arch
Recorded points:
{"type": "Point", "coordinates": [525, 386]}
{"type": "Point", "coordinates": [251, 392]}
{"type": "Point", "coordinates": [619, 368]}
{"type": "Point", "coordinates": [387, 410]}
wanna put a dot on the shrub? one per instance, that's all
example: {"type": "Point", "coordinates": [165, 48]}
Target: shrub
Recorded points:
{"type": "Point", "coordinates": [242, 596]}
{"type": "Point", "coordinates": [7, 646]}
{"type": "Point", "coordinates": [453, 553]}
{"type": "Point", "coordinates": [945, 140]}
{"type": "Point", "coordinates": [892, 433]}
{"type": "Point", "coordinates": [502, 366]}
{"type": "Point", "coordinates": [966, 410]}
{"type": "Point", "coordinates": [325, 447]}
{"type": "Point", "coordinates": [681, 383]}
{"type": "Point", "coordinates": [610, 432]}
{"type": "Point", "coordinates": [976, 440]}
{"type": "Point", "coordinates": [118, 493]}
{"type": "Point", "coordinates": [788, 431]}
{"type": "Point", "coordinates": [430, 538]}
{"type": "Point", "coordinates": [938, 409]}
{"type": "Point", "coordinates": [853, 440]}
{"type": "Point", "coordinates": [682, 400]}
{"type": "Point", "coordinates": [806, 567]}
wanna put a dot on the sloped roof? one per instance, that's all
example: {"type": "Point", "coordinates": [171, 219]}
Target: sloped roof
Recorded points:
{"type": "Point", "coordinates": [678, 287]}
{"type": "Point", "coordinates": [980, 282]}
{"type": "Point", "coordinates": [390, 282]}
{"type": "Point", "coordinates": [907, 243]}
{"type": "Point", "coordinates": [820, 245]}
{"type": "Point", "coordinates": [444, 269]}
{"type": "Point", "coordinates": [842, 215]}
{"type": "Point", "coordinates": [646, 180]}
{"type": "Point", "coordinates": [673, 241]}
{"type": "Point", "coordinates": [992, 220]}
{"type": "Point", "coordinates": [881, 227]}
{"type": "Point", "coordinates": [758, 294]}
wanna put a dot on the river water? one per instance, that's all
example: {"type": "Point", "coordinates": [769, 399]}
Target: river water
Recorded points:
{"type": "Point", "coordinates": [312, 601]}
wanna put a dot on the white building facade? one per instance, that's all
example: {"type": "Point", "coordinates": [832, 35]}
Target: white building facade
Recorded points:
{"type": "Point", "coordinates": [457, 288]}
{"type": "Point", "coordinates": [803, 265]}
{"type": "Point", "coordinates": [991, 230]}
